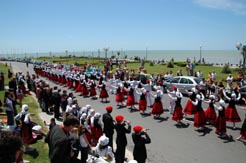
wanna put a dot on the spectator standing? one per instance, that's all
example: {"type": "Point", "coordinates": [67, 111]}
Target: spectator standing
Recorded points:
{"type": "Point", "coordinates": [140, 137]}
{"type": "Point", "coordinates": [122, 128]}
{"type": "Point", "coordinates": [108, 125]}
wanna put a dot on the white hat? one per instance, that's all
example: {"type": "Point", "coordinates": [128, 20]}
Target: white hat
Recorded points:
{"type": "Point", "coordinates": [222, 103]}
{"type": "Point", "coordinates": [97, 115]}
{"type": "Point", "coordinates": [132, 161]}
{"type": "Point", "coordinates": [83, 116]}
{"type": "Point", "coordinates": [24, 108]}
{"type": "Point", "coordinates": [74, 106]}
{"type": "Point", "coordinates": [193, 89]}
{"type": "Point", "coordinates": [158, 91]}
{"type": "Point", "coordinates": [69, 100]}
{"type": "Point", "coordinates": [143, 90]}
{"type": "Point", "coordinates": [91, 112]}
{"type": "Point", "coordinates": [88, 106]}
{"type": "Point", "coordinates": [198, 97]}
{"type": "Point", "coordinates": [233, 95]}
{"type": "Point", "coordinates": [84, 110]}
{"type": "Point", "coordinates": [212, 97]}
{"type": "Point", "coordinates": [103, 140]}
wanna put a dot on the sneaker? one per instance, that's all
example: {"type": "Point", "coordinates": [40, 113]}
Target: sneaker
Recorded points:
{"type": "Point", "coordinates": [238, 138]}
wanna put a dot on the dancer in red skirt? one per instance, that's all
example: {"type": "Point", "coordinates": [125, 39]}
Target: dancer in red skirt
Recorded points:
{"type": "Point", "coordinates": [84, 90]}
{"type": "Point", "coordinates": [157, 108]}
{"type": "Point", "coordinates": [243, 130]}
{"type": "Point", "coordinates": [221, 119]}
{"type": "Point", "coordinates": [199, 118]}
{"type": "Point", "coordinates": [119, 97]}
{"type": "Point", "coordinates": [92, 85]}
{"type": "Point", "coordinates": [177, 113]}
{"type": "Point", "coordinates": [231, 113]}
{"type": "Point", "coordinates": [130, 98]}
{"type": "Point", "coordinates": [190, 109]}
{"type": "Point", "coordinates": [103, 94]}
{"type": "Point", "coordinates": [210, 111]}
{"type": "Point", "coordinates": [142, 101]}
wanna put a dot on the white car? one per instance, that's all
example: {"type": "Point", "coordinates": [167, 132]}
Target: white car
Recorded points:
{"type": "Point", "coordinates": [183, 83]}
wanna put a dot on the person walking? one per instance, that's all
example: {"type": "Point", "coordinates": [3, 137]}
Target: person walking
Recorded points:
{"type": "Point", "coordinates": [140, 137]}
{"type": "Point", "coordinates": [108, 125]}
{"type": "Point", "coordinates": [122, 128]}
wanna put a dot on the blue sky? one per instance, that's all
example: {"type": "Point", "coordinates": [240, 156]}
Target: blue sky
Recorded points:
{"type": "Point", "coordinates": [88, 25]}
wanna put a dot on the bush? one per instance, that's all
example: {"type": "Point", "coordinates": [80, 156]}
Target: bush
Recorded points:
{"type": "Point", "coordinates": [180, 64]}
{"type": "Point", "coordinates": [226, 69]}
{"type": "Point", "coordinates": [151, 64]}
{"type": "Point", "coordinates": [170, 65]}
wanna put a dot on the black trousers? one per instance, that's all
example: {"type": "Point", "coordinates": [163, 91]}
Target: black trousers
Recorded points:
{"type": "Point", "coordinates": [120, 154]}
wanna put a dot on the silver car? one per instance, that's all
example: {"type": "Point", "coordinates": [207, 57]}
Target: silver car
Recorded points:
{"type": "Point", "coordinates": [183, 83]}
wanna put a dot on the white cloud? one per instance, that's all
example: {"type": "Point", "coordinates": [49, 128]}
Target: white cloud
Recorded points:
{"type": "Point", "coordinates": [237, 6]}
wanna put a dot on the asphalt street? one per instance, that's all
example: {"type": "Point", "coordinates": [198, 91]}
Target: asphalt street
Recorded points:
{"type": "Point", "coordinates": [170, 144]}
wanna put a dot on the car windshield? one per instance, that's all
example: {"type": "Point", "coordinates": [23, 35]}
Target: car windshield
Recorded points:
{"type": "Point", "coordinates": [197, 80]}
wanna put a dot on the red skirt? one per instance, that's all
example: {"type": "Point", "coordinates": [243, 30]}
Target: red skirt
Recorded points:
{"type": "Point", "coordinates": [190, 109]}
{"type": "Point", "coordinates": [26, 134]}
{"type": "Point", "coordinates": [220, 125]}
{"type": "Point", "coordinates": [243, 130]}
{"type": "Point", "coordinates": [124, 92]}
{"type": "Point", "coordinates": [177, 114]}
{"type": "Point", "coordinates": [232, 115]}
{"type": "Point", "coordinates": [142, 105]}
{"type": "Point", "coordinates": [78, 89]}
{"type": "Point", "coordinates": [119, 97]}
{"type": "Point", "coordinates": [199, 119]}
{"type": "Point", "coordinates": [130, 100]}
{"type": "Point", "coordinates": [84, 91]}
{"type": "Point", "coordinates": [103, 94]}
{"type": "Point", "coordinates": [93, 92]}
{"type": "Point", "coordinates": [157, 108]}
{"type": "Point", "coordinates": [210, 115]}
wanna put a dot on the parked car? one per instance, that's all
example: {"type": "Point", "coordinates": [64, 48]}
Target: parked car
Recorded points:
{"type": "Point", "coordinates": [183, 83]}
{"type": "Point", "coordinates": [92, 71]}
{"type": "Point", "coordinates": [143, 77]}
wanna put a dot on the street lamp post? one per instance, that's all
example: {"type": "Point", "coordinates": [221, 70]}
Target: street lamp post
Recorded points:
{"type": "Point", "coordinates": [106, 52]}
{"type": "Point", "coordinates": [242, 48]}
{"type": "Point", "coordinates": [200, 54]}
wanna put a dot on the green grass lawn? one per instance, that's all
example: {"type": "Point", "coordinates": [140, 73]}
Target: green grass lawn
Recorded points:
{"type": "Point", "coordinates": [40, 146]}
{"type": "Point", "coordinates": [155, 69]}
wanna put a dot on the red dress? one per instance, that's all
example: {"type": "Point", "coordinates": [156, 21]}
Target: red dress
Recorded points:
{"type": "Point", "coordinates": [130, 98]}
{"type": "Point", "coordinates": [103, 93]}
{"type": "Point", "coordinates": [221, 122]}
{"type": "Point", "coordinates": [243, 130]}
{"type": "Point", "coordinates": [199, 118]}
{"type": "Point", "coordinates": [178, 114]}
{"type": "Point", "coordinates": [190, 109]}
{"type": "Point", "coordinates": [142, 102]}
{"type": "Point", "coordinates": [157, 108]}
{"type": "Point", "coordinates": [93, 90]}
{"type": "Point", "coordinates": [231, 113]}
{"type": "Point", "coordinates": [119, 97]}
{"type": "Point", "coordinates": [210, 113]}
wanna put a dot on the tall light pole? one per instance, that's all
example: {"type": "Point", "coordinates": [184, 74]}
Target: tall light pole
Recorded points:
{"type": "Point", "coordinates": [242, 48]}
{"type": "Point", "coordinates": [106, 51]}
{"type": "Point", "coordinates": [200, 54]}
{"type": "Point", "coordinates": [146, 54]}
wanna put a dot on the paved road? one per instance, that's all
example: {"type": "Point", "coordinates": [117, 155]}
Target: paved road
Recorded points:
{"type": "Point", "coordinates": [169, 143]}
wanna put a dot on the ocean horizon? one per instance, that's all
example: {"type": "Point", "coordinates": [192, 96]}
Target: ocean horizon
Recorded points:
{"type": "Point", "coordinates": [209, 56]}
